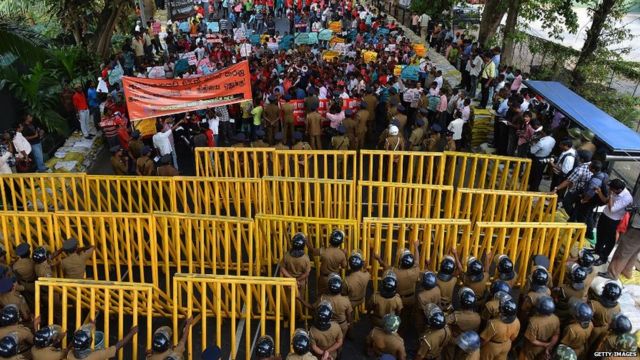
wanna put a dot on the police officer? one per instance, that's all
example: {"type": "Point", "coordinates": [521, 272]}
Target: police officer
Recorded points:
{"type": "Point", "coordinates": [10, 324]}
{"type": "Point", "coordinates": [301, 344]}
{"type": "Point", "coordinates": [386, 340]}
{"type": "Point", "coordinates": [340, 141]}
{"type": "Point", "coordinates": [162, 343]}
{"type": "Point", "coordinates": [427, 293]}
{"type": "Point", "coordinates": [604, 308]}
{"type": "Point", "coordinates": [362, 118]}
{"type": "Point", "coordinates": [295, 263]}
{"type": "Point", "coordinates": [10, 295]}
{"type": "Point", "coordinates": [24, 268]}
{"type": "Point", "coordinates": [340, 305]}
{"type": "Point", "coordinates": [165, 166]}
{"type": "Point", "coordinates": [10, 347]}
{"type": "Point", "coordinates": [401, 118]}
{"type": "Point", "coordinates": [265, 348]}
{"type": "Point", "coordinates": [505, 270]}
{"type": "Point", "coordinates": [436, 336]}
{"type": "Point", "coordinates": [576, 334]}
{"type": "Point", "coordinates": [463, 319]}
{"type": "Point", "coordinates": [326, 336]}
{"type": "Point", "coordinates": [491, 309]}
{"type": "Point", "coordinates": [332, 258]}
{"type": "Point", "coordinates": [44, 261]}
{"type": "Point", "coordinates": [537, 288]}
{"type": "Point", "coordinates": [408, 273]}
{"type": "Point", "coordinates": [564, 353]}
{"type": "Point", "coordinates": [82, 340]}
{"type": "Point", "coordinates": [434, 142]}
{"type": "Point", "coordinates": [500, 332]}
{"type": "Point", "coordinates": [417, 136]}
{"type": "Point", "coordinates": [144, 164]}
{"type": "Point", "coordinates": [240, 140]}
{"type": "Point", "coordinates": [300, 144]}
{"type": "Point", "coordinates": [394, 142]}
{"type": "Point", "coordinates": [279, 143]}
{"type": "Point", "coordinates": [619, 326]}
{"type": "Point", "coordinates": [47, 342]}
{"type": "Point", "coordinates": [259, 142]}
{"type": "Point", "coordinates": [350, 126]}
{"type": "Point", "coordinates": [467, 346]}
{"type": "Point", "coordinates": [565, 292]}
{"type": "Point", "coordinates": [476, 276]}
{"type": "Point", "coordinates": [386, 300]}
{"type": "Point", "coordinates": [271, 117]}
{"type": "Point", "coordinates": [447, 280]}
{"type": "Point", "coordinates": [357, 279]}
{"type": "Point", "coordinates": [75, 262]}
{"type": "Point", "coordinates": [543, 330]}
{"type": "Point", "coordinates": [314, 128]}
{"type": "Point", "coordinates": [586, 259]}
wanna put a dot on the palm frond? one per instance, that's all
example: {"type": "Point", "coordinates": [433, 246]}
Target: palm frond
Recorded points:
{"type": "Point", "coordinates": [22, 42]}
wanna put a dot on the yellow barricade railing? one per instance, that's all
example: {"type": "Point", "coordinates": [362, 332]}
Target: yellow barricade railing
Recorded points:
{"type": "Point", "coordinates": [503, 205]}
{"type": "Point", "coordinates": [274, 233]}
{"type": "Point", "coordinates": [321, 198]}
{"type": "Point", "coordinates": [234, 162]}
{"type": "Point", "coordinates": [316, 164]}
{"type": "Point", "coordinates": [75, 302]}
{"type": "Point", "coordinates": [224, 302]}
{"type": "Point", "coordinates": [434, 238]}
{"type": "Point", "coordinates": [522, 240]}
{"type": "Point", "coordinates": [218, 196]}
{"type": "Point", "coordinates": [413, 167]}
{"type": "Point", "coordinates": [204, 245]}
{"type": "Point", "coordinates": [396, 200]}
{"type": "Point", "coordinates": [479, 171]}
{"type": "Point", "coordinates": [135, 194]}
{"type": "Point", "coordinates": [42, 192]}
{"type": "Point", "coordinates": [33, 228]}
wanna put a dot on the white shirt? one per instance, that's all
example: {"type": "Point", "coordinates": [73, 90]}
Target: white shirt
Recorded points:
{"type": "Point", "coordinates": [213, 124]}
{"type": "Point", "coordinates": [620, 202]}
{"type": "Point", "coordinates": [322, 93]}
{"type": "Point", "coordinates": [456, 127]}
{"type": "Point", "coordinates": [525, 106]}
{"type": "Point", "coordinates": [476, 66]}
{"type": "Point", "coordinates": [21, 144]}
{"type": "Point", "coordinates": [466, 113]}
{"type": "Point", "coordinates": [424, 20]}
{"type": "Point", "coordinates": [439, 80]}
{"type": "Point", "coordinates": [162, 142]}
{"type": "Point", "coordinates": [566, 160]}
{"type": "Point", "coordinates": [543, 147]}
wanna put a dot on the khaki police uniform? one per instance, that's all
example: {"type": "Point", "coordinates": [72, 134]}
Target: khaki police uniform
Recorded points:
{"type": "Point", "coordinates": [577, 338]}
{"type": "Point", "coordinates": [24, 269]}
{"type": "Point", "coordinates": [424, 298]}
{"type": "Point", "coordinates": [145, 166]}
{"type": "Point", "coordinates": [340, 305]}
{"type": "Point", "coordinates": [567, 292]}
{"type": "Point", "coordinates": [446, 291]}
{"type": "Point", "coordinates": [498, 337]}
{"type": "Point", "coordinates": [47, 353]}
{"type": "Point", "coordinates": [340, 142]}
{"type": "Point", "coordinates": [107, 353]}
{"type": "Point", "coordinates": [479, 287]}
{"type": "Point", "coordinates": [296, 266]}
{"type": "Point", "coordinates": [350, 126]}
{"type": "Point", "coordinates": [490, 310]}
{"type": "Point", "coordinates": [461, 355]}
{"type": "Point", "coordinates": [287, 117]}
{"type": "Point", "coordinates": [167, 170]}
{"type": "Point", "coordinates": [381, 306]}
{"type": "Point", "coordinates": [271, 117]}
{"type": "Point", "coordinates": [608, 343]}
{"type": "Point", "coordinates": [177, 352]}
{"type": "Point", "coordinates": [135, 148]}
{"type": "Point", "coordinates": [23, 333]}
{"type": "Point", "coordinates": [74, 265]}
{"type": "Point", "coordinates": [372, 102]}
{"type": "Point", "coordinates": [407, 279]}
{"type": "Point", "coordinates": [332, 259]}
{"type": "Point", "coordinates": [383, 343]}
{"type": "Point", "coordinates": [402, 121]}
{"type": "Point", "coordinates": [602, 317]}
{"type": "Point", "coordinates": [434, 144]}
{"type": "Point", "coordinates": [541, 328]}
{"type": "Point", "coordinates": [459, 322]}
{"type": "Point", "coordinates": [527, 307]}
{"type": "Point", "coordinates": [314, 123]}
{"type": "Point", "coordinates": [326, 339]}
{"type": "Point", "coordinates": [450, 145]}
{"type": "Point", "coordinates": [281, 146]}
{"type": "Point", "coordinates": [416, 138]}
{"type": "Point", "coordinates": [432, 343]}
{"type": "Point", "coordinates": [356, 286]}
{"type": "Point", "coordinates": [14, 297]}
{"type": "Point", "coordinates": [307, 356]}
{"type": "Point", "coordinates": [362, 118]}
{"type": "Point", "coordinates": [259, 144]}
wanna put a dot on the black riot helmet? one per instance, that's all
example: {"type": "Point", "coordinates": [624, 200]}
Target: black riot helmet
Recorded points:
{"type": "Point", "coordinates": [337, 238]}
{"type": "Point", "coordinates": [508, 310]}
{"type": "Point", "coordinates": [389, 285]}
{"type": "Point", "coordinates": [10, 315]}
{"type": "Point", "coordinates": [265, 347]}
{"type": "Point", "coordinates": [467, 299]}
{"type": "Point", "coordinates": [436, 319]}
{"type": "Point", "coordinates": [428, 280]}
{"type": "Point", "coordinates": [499, 285]}
{"type": "Point", "coordinates": [39, 255]}
{"type": "Point", "coordinates": [610, 294]}
{"type": "Point", "coordinates": [335, 284]}
{"type": "Point", "coordinates": [505, 268]}
{"type": "Point", "coordinates": [324, 312]}
{"type": "Point", "coordinates": [301, 342]}
{"type": "Point", "coordinates": [475, 269]}
{"type": "Point", "coordinates": [8, 346]}
{"type": "Point", "coordinates": [161, 342]}
{"type": "Point", "coordinates": [406, 260]}
{"type": "Point", "coordinates": [620, 324]}
{"type": "Point", "coordinates": [545, 305]}
{"type": "Point", "coordinates": [447, 268]}
{"type": "Point", "coordinates": [539, 279]}
{"type": "Point", "coordinates": [355, 261]}
{"type": "Point", "coordinates": [298, 241]}
{"type": "Point", "coordinates": [81, 340]}
{"type": "Point", "coordinates": [586, 258]}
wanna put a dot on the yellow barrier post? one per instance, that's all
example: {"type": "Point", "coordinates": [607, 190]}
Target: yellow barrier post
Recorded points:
{"type": "Point", "coordinates": [398, 200]}
{"type": "Point", "coordinates": [316, 164]}
{"type": "Point", "coordinates": [434, 237]}
{"type": "Point", "coordinates": [320, 198]}
{"type": "Point", "coordinates": [275, 231]}
{"type": "Point", "coordinates": [234, 162]}
{"type": "Point", "coordinates": [234, 301]}
{"type": "Point", "coordinates": [33, 228]}
{"type": "Point", "coordinates": [135, 194]}
{"type": "Point", "coordinates": [74, 302]}
{"type": "Point", "coordinates": [502, 205]}
{"type": "Point", "coordinates": [412, 167]}
{"type": "Point", "coordinates": [522, 240]}
{"type": "Point", "coordinates": [480, 171]}
{"type": "Point", "coordinates": [218, 196]}
{"type": "Point", "coordinates": [42, 192]}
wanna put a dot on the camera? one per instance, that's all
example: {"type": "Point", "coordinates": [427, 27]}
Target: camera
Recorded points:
{"type": "Point", "coordinates": [550, 159]}
{"type": "Point", "coordinates": [633, 209]}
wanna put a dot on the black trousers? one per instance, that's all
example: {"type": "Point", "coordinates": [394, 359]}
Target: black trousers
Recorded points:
{"type": "Point", "coordinates": [485, 93]}
{"type": "Point", "coordinates": [606, 236]}
{"type": "Point", "coordinates": [535, 176]}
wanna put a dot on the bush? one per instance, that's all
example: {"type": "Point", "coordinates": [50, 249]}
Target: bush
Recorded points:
{"type": "Point", "coordinates": [624, 107]}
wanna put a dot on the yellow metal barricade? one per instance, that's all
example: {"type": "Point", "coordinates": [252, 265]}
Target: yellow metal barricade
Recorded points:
{"type": "Point", "coordinates": [33, 228]}
{"type": "Point", "coordinates": [522, 240]}
{"type": "Point", "coordinates": [218, 196]}
{"type": "Point", "coordinates": [274, 233]}
{"type": "Point", "coordinates": [320, 198]}
{"type": "Point", "coordinates": [43, 192]}
{"type": "Point", "coordinates": [234, 162]}
{"type": "Point", "coordinates": [135, 194]}
{"type": "Point", "coordinates": [397, 200]}
{"type": "Point", "coordinates": [204, 244]}
{"type": "Point", "coordinates": [75, 302]}
{"type": "Point", "coordinates": [232, 306]}
{"type": "Point", "coordinates": [480, 171]}
{"type": "Point", "coordinates": [316, 164]}
{"type": "Point", "coordinates": [434, 238]}
{"type": "Point", "coordinates": [502, 205]}
{"type": "Point", "coordinates": [412, 167]}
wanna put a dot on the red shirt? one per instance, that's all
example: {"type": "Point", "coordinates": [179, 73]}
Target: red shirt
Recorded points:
{"type": "Point", "coordinates": [79, 101]}
{"type": "Point", "coordinates": [210, 141]}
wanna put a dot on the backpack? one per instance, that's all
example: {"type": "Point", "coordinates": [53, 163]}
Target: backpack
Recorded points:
{"type": "Point", "coordinates": [595, 200]}
{"type": "Point", "coordinates": [576, 163]}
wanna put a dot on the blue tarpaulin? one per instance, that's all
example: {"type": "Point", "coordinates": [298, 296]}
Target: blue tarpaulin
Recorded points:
{"type": "Point", "coordinates": [618, 137]}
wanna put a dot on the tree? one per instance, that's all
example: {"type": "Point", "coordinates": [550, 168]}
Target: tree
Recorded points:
{"type": "Point", "coordinates": [492, 15]}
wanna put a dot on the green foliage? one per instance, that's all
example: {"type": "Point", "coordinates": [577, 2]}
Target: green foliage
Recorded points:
{"type": "Point", "coordinates": [556, 15]}
{"type": "Point", "coordinates": [433, 8]}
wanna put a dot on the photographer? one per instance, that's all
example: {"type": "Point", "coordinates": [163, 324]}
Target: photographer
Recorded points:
{"type": "Point", "coordinates": [565, 164]}
{"type": "Point", "coordinates": [617, 201]}
{"type": "Point", "coordinates": [542, 145]}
